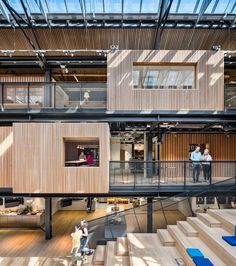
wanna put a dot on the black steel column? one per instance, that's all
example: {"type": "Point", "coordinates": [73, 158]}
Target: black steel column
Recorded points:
{"type": "Point", "coordinates": [48, 88]}
{"type": "Point", "coordinates": [149, 166]}
{"type": "Point", "coordinates": [149, 215]}
{"type": "Point", "coordinates": [48, 218]}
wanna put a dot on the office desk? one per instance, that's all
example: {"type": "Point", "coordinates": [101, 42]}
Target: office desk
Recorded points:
{"type": "Point", "coordinates": [75, 163]}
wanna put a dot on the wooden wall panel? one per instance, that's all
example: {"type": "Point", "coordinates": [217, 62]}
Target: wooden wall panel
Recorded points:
{"type": "Point", "coordinates": [38, 161]}
{"type": "Point", "coordinates": [208, 94]}
{"type": "Point", "coordinates": [6, 146]}
{"type": "Point", "coordinates": [176, 146]}
{"type": "Point", "coordinates": [222, 148]}
{"type": "Point", "coordinates": [21, 78]}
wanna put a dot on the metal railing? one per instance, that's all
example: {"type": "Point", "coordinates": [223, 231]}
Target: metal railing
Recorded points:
{"type": "Point", "coordinates": [230, 96]}
{"type": "Point", "coordinates": [57, 95]}
{"type": "Point", "coordinates": [134, 220]}
{"type": "Point", "coordinates": [156, 174]}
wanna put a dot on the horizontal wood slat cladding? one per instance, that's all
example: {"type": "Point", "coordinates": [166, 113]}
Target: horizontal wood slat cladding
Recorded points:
{"type": "Point", "coordinates": [6, 146]}
{"type": "Point", "coordinates": [175, 147]}
{"type": "Point", "coordinates": [21, 78]}
{"type": "Point", "coordinates": [208, 95]}
{"type": "Point", "coordinates": [38, 160]}
{"type": "Point", "coordinates": [134, 39]}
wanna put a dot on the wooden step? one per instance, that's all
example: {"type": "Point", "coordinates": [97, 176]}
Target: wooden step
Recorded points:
{"type": "Point", "coordinates": [187, 229]}
{"type": "Point", "coordinates": [110, 256]}
{"type": "Point", "coordinates": [213, 238]}
{"type": "Point", "coordinates": [99, 255]}
{"type": "Point", "coordinates": [183, 242]}
{"type": "Point", "coordinates": [165, 238]}
{"type": "Point", "coordinates": [122, 246]}
{"type": "Point", "coordinates": [146, 249]}
{"type": "Point", "coordinates": [227, 217]}
{"type": "Point", "coordinates": [209, 220]}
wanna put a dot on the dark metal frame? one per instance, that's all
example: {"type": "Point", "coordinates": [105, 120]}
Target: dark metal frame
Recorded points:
{"type": "Point", "coordinates": [176, 21]}
{"type": "Point", "coordinates": [154, 183]}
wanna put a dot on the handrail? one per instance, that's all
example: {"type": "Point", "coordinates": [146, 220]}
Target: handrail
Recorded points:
{"type": "Point", "coordinates": [207, 188]}
{"type": "Point", "coordinates": [155, 174]}
{"type": "Point", "coordinates": [175, 161]}
{"type": "Point", "coordinates": [53, 95]}
{"type": "Point", "coordinates": [186, 194]}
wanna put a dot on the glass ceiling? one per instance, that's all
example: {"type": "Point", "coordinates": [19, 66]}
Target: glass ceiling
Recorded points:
{"type": "Point", "coordinates": [122, 6]}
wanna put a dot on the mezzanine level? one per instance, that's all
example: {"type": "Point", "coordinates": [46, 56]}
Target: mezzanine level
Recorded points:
{"type": "Point", "coordinates": [169, 176]}
{"type": "Point", "coordinates": [73, 97]}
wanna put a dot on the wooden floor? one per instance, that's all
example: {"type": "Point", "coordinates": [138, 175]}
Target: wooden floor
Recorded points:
{"type": "Point", "coordinates": [25, 243]}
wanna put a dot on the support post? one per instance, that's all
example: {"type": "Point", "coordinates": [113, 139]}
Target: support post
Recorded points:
{"type": "Point", "coordinates": [149, 215]}
{"type": "Point", "coordinates": [48, 218]}
{"type": "Point", "coordinates": [48, 93]}
{"type": "Point", "coordinates": [149, 164]}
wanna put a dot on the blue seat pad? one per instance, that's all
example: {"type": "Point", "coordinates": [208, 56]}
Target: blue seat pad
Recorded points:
{"type": "Point", "coordinates": [194, 252]}
{"type": "Point", "coordinates": [230, 240]}
{"type": "Point", "coordinates": [202, 262]}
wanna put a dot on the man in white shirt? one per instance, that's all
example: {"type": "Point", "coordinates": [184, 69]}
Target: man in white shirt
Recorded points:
{"type": "Point", "coordinates": [196, 158]}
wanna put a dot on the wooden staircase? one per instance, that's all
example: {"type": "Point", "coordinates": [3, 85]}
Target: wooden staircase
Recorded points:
{"type": "Point", "coordinates": [168, 246]}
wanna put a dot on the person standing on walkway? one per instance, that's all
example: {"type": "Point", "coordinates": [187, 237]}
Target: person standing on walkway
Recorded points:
{"type": "Point", "coordinates": [206, 165]}
{"type": "Point", "coordinates": [196, 158]}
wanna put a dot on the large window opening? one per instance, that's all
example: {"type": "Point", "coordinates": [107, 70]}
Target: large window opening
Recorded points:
{"type": "Point", "coordinates": [82, 152]}
{"type": "Point", "coordinates": [150, 76]}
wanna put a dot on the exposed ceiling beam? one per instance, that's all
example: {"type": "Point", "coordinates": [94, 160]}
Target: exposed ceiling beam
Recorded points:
{"type": "Point", "coordinates": [214, 7]}
{"type": "Point", "coordinates": [177, 7]}
{"type": "Point", "coordinates": [165, 6]}
{"type": "Point", "coordinates": [202, 10]}
{"type": "Point", "coordinates": [66, 6]}
{"type": "Point", "coordinates": [42, 10]}
{"type": "Point", "coordinates": [30, 23]}
{"type": "Point", "coordinates": [82, 6]}
{"type": "Point", "coordinates": [4, 12]}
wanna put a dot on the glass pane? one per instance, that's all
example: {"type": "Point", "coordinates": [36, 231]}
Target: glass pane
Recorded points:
{"type": "Point", "coordinates": [186, 6]}
{"type": "Point", "coordinates": [56, 6]}
{"type": "Point", "coordinates": [15, 96]}
{"type": "Point", "coordinates": [210, 7]}
{"type": "Point", "coordinates": [16, 4]}
{"type": "Point", "coordinates": [163, 77]}
{"type": "Point", "coordinates": [67, 95]}
{"type": "Point", "coordinates": [224, 6]}
{"type": "Point", "coordinates": [33, 6]}
{"type": "Point", "coordinates": [174, 6]}
{"type": "Point", "coordinates": [41, 95]}
{"type": "Point", "coordinates": [150, 6]}
{"type": "Point", "coordinates": [93, 95]}
{"type": "Point", "coordinates": [113, 6]}
{"type": "Point", "coordinates": [132, 6]}
{"type": "Point", "coordinates": [73, 6]}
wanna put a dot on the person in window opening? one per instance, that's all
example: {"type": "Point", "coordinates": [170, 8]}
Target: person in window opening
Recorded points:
{"type": "Point", "coordinates": [206, 165]}
{"type": "Point", "coordinates": [84, 239]}
{"type": "Point", "coordinates": [89, 158]}
{"type": "Point", "coordinates": [196, 158]}
{"type": "Point", "coordinates": [82, 156]}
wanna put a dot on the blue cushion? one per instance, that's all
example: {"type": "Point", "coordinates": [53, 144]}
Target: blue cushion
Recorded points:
{"type": "Point", "coordinates": [194, 252]}
{"type": "Point", "coordinates": [202, 262]}
{"type": "Point", "coordinates": [230, 240]}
